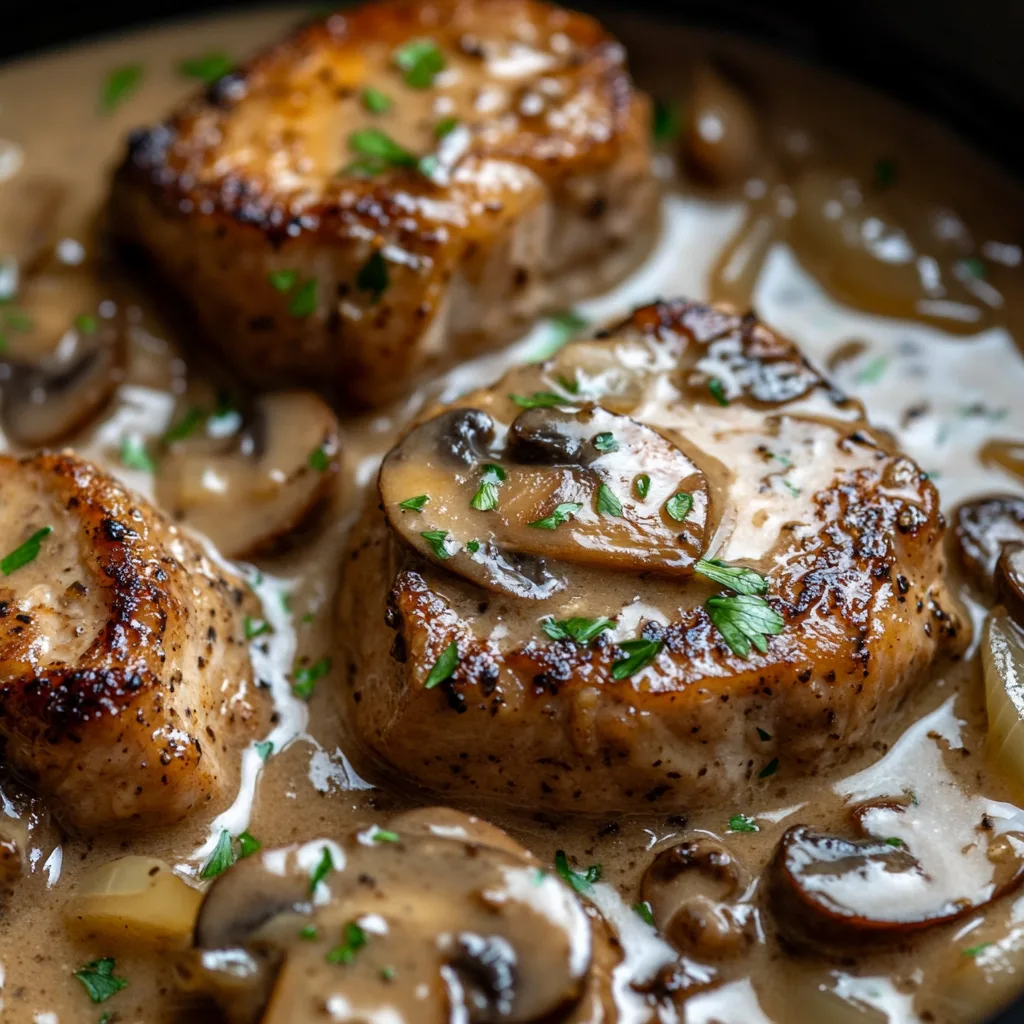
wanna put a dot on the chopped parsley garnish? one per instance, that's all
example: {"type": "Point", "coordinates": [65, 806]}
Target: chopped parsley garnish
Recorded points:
{"type": "Point", "coordinates": [379, 146]}
{"type": "Point", "coordinates": [639, 653]}
{"type": "Point", "coordinates": [486, 497]}
{"type": "Point", "coordinates": [388, 973]}
{"type": "Point", "coordinates": [248, 844]}
{"type": "Point", "coordinates": [643, 911]}
{"type": "Point", "coordinates": [420, 61]}
{"type": "Point", "coordinates": [666, 122]}
{"type": "Point", "coordinates": [642, 484]}
{"type": "Point", "coordinates": [568, 323]}
{"type": "Point", "coordinates": [744, 619]}
{"type": "Point", "coordinates": [873, 371]}
{"type": "Point", "coordinates": [581, 881]}
{"type": "Point", "coordinates": [717, 389]}
{"type": "Point", "coordinates": [438, 541]}
{"type": "Point", "coordinates": [255, 627]}
{"type": "Point", "coordinates": [354, 938]}
{"type": "Point", "coordinates": [571, 387]}
{"type": "Point", "coordinates": [973, 951]}
{"type": "Point", "coordinates": [580, 630]}
{"type": "Point", "coordinates": [473, 547]}
{"type": "Point", "coordinates": [762, 735]}
{"type": "Point", "coordinates": [538, 400]}
{"type": "Point", "coordinates": [135, 456]}
{"type": "Point", "coordinates": [974, 266]}
{"type": "Point", "coordinates": [264, 748]}
{"type": "Point", "coordinates": [99, 979]}
{"type": "Point", "coordinates": [119, 85]}
{"type": "Point", "coordinates": [414, 504]}
{"type": "Point", "coordinates": [375, 101]}
{"type": "Point", "coordinates": [306, 677]}
{"type": "Point", "coordinates": [373, 276]}
{"type": "Point", "coordinates": [283, 280]}
{"type": "Point", "coordinates": [319, 459]}
{"type": "Point", "coordinates": [309, 933]}
{"type": "Point", "coordinates": [679, 505]}
{"type": "Point", "coordinates": [769, 769]}
{"type": "Point", "coordinates": [735, 577]}
{"type": "Point", "coordinates": [885, 172]}
{"type": "Point", "coordinates": [444, 667]}
{"type": "Point", "coordinates": [303, 301]}
{"type": "Point", "coordinates": [26, 552]}
{"type": "Point", "coordinates": [561, 514]}
{"type": "Point", "coordinates": [607, 503]}
{"type": "Point", "coordinates": [324, 866]}
{"type": "Point", "coordinates": [606, 443]}
{"type": "Point", "coordinates": [383, 835]}
{"type": "Point", "coordinates": [895, 841]}
{"type": "Point", "coordinates": [207, 68]}
{"type": "Point", "coordinates": [741, 823]}
{"type": "Point", "coordinates": [86, 323]}
{"type": "Point", "coordinates": [221, 859]}
{"type": "Point", "coordinates": [445, 127]}
{"type": "Point", "coordinates": [184, 427]}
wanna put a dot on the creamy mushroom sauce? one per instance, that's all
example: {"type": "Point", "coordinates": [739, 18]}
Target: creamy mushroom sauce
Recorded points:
{"type": "Point", "coordinates": [886, 249]}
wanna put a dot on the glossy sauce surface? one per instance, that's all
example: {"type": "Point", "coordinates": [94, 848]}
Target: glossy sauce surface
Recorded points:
{"type": "Point", "coordinates": [886, 250]}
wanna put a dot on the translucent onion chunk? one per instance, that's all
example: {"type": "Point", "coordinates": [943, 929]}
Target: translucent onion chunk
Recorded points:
{"type": "Point", "coordinates": [1002, 653]}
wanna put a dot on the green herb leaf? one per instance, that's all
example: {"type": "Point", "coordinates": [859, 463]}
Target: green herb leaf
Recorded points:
{"type": "Point", "coordinates": [885, 173]}
{"type": "Point", "coordinates": [762, 735]}
{"type": "Point", "coordinates": [974, 266]}
{"type": "Point", "coordinates": [539, 400]}
{"type": "Point", "coordinates": [420, 61]}
{"type": "Point", "coordinates": [414, 504]}
{"type": "Point", "coordinates": [679, 505]}
{"type": "Point", "coordinates": [581, 881]}
{"type": "Point", "coordinates": [303, 301]}
{"type": "Point", "coordinates": [309, 933]}
{"type": "Point", "coordinates": [606, 443]}
{"type": "Point", "coordinates": [445, 127]}
{"type": "Point", "coordinates": [643, 911]}
{"type": "Point", "coordinates": [717, 389]}
{"type": "Point", "coordinates": [473, 547]}
{"type": "Point", "coordinates": [184, 427]}
{"type": "Point", "coordinates": [735, 577]}
{"type": "Point", "coordinates": [120, 83]}
{"type": "Point", "coordinates": [769, 769]}
{"type": "Point", "coordinates": [319, 459]}
{"type": "Point", "coordinates": [24, 553]}
{"type": "Point", "coordinates": [642, 484]}
{"type": "Point", "coordinates": [895, 841]}
{"type": "Point", "coordinates": [741, 823]}
{"type": "Point", "coordinates": [561, 514]}
{"type": "Point", "coordinates": [607, 503]}
{"type": "Point", "coordinates": [438, 541]}
{"type": "Point", "coordinates": [486, 497]}
{"type": "Point", "coordinates": [580, 630]}
{"type": "Point", "coordinates": [323, 868]}
{"type": "Point", "coordinates": [207, 68]}
{"type": "Point", "coordinates": [264, 748]}
{"type": "Point", "coordinates": [375, 101]}
{"type": "Point", "coordinates": [388, 973]}
{"type": "Point", "coordinates": [572, 387]}
{"type": "Point", "coordinates": [373, 276]}
{"type": "Point", "coordinates": [306, 678]}
{"type": "Point", "coordinates": [744, 619]}
{"type": "Point", "coordinates": [444, 667]}
{"type": "Point", "coordinates": [666, 122]}
{"type": "Point", "coordinates": [255, 627]}
{"type": "Point", "coordinates": [248, 844]}
{"type": "Point", "coordinates": [354, 940]}
{"type": "Point", "coordinates": [639, 653]}
{"type": "Point", "coordinates": [283, 280]}
{"type": "Point", "coordinates": [383, 835]}
{"type": "Point", "coordinates": [373, 143]}
{"type": "Point", "coordinates": [86, 323]}
{"type": "Point", "coordinates": [873, 371]}
{"type": "Point", "coordinates": [99, 980]}
{"type": "Point", "coordinates": [135, 456]}
{"type": "Point", "coordinates": [973, 951]}
{"type": "Point", "coordinates": [221, 859]}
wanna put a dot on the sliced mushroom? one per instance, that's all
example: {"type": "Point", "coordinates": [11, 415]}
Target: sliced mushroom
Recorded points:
{"type": "Point", "coordinates": [829, 888]}
{"type": "Point", "coordinates": [983, 527]}
{"type": "Point", "coordinates": [696, 893]}
{"type": "Point", "coordinates": [425, 920]}
{"type": "Point", "coordinates": [262, 484]}
{"type": "Point", "coordinates": [1009, 581]}
{"type": "Point", "coordinates": [584, 486]}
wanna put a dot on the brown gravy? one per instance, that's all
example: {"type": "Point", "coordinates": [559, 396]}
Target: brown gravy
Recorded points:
{"type": "Point", "coordinates": [867, 233]}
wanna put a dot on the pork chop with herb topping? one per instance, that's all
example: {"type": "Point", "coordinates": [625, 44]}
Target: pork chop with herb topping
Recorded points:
{"type": "Point", "coordinates": [125, 682]}
{"type": "Point", "coordinates": [666, 564]}
{"type": "Point", "coordinates": [394, 188]}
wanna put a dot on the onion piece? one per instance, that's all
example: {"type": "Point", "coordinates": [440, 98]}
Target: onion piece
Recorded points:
{"type": "Point", "coordinates": [135, 899]}
{"type": "Point", "coordinates": [1002, 653]}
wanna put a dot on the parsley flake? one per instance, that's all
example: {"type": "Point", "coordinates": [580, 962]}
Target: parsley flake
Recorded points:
{"type": "Point", "coordinates": [379, 146]}
{"type": "Point", "coordinates": [86, 323]}
{"type": "Point", "coordinates": [373, 276]}
{"type": "Point", "coordinates": [306, 677]}
{"type": "Point", "coordinates": [666, 122]}
{"type": "Point", "coordinates": [973, 951]}
{"type": "Point", "coordinates": [135, 456]}
{"type": "Point", "coordinates": [283, 280]}
{"type": "Point", "coordinates": [120, 84]}
{"type": "Point", "coordinates": [486, 497]}
{"type": "Point", "coordinates": [607, 503]}
{"type": "Point", "coordinates": [445, 127]}
{"type": "Point", "coordinates": [444, 668]}
{"type": "Point", "coordinates": [735, 577]}
{"type": "Point", "coordinates": [264, 748]}
{"type": "Point", "coordinates": [717, 389]}
{"type": "Point", "coordinates": [561, 514]}
{"type": "Point", "coordinates": [581, 881]}
{"type": "Point", "coordinates": [744, 619]}
{"type": "Point", "coordinates": [375, 101]}
{"type": "Point", "coordinates": [579, 630]}
{"type": "Point", "coordinates": [184, 427]}
{"type": "Point", "coordinates": [309, 933]}
{"type": "Point", "coordinates": [207, 68]}
{"type": "Point", "coordinates": [354, 938]}
{"type": "Point", "coordinates": [25, 552]}
{"type": "Point", "coordinates": [414, 504]}
{"type": "Point", "coordinates": [885, 172]}
{"type": "Point", "coordinates": [642, 484]}
{"type": "Point", "coordinates": [255, 627]}
{"type": "Point", "coordinates": [741, 823]}
{"type": "Point", "coordinates": [383, 835]}
{"type": "Point", "coordinates": [606, 443]}
{"type": "Point", "coordinates": [473, 547]}
{"type": "Point", "coordinates": [538, 400]}
{"type": "Point", "coordinates": [762, 735]}
{"type": "Point", "coordinates": [438, 541]}
{"type": "Point", "coordinates": [221, 859]}
{"type": "Point", "coordinates": [769, 769]}
{"type": "Point", "coordinates": [324, 866]}
{"type": "Point", "coordinates": [643, 911]}
{"type": "Point", "coordinates": [974, 267]}
{"type": "Point", "coordinates": [248, 844]}
{"type": "Point", "coordinates": [638, 654]}
{"type": "Point", "coordinates": [679, 505]}
{"type": "Point", "coordinates": [319, 459]}
{"type": "Point", "coordinates": [895, 841]}
{"type": "Point", "coordinates": [99, 979]}
{"type": "Point", "coordinates": [303, 301]}
{"type": "Point", "coordinates": [420, 61]}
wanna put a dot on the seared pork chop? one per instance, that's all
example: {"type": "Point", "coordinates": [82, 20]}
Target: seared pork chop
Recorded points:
{"type": "Point", "coordinates": [394, 188]}
{"type": "Point", "coordinates": [660, 565]}
{"type": "Point", "coordinates": [124, 669]}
